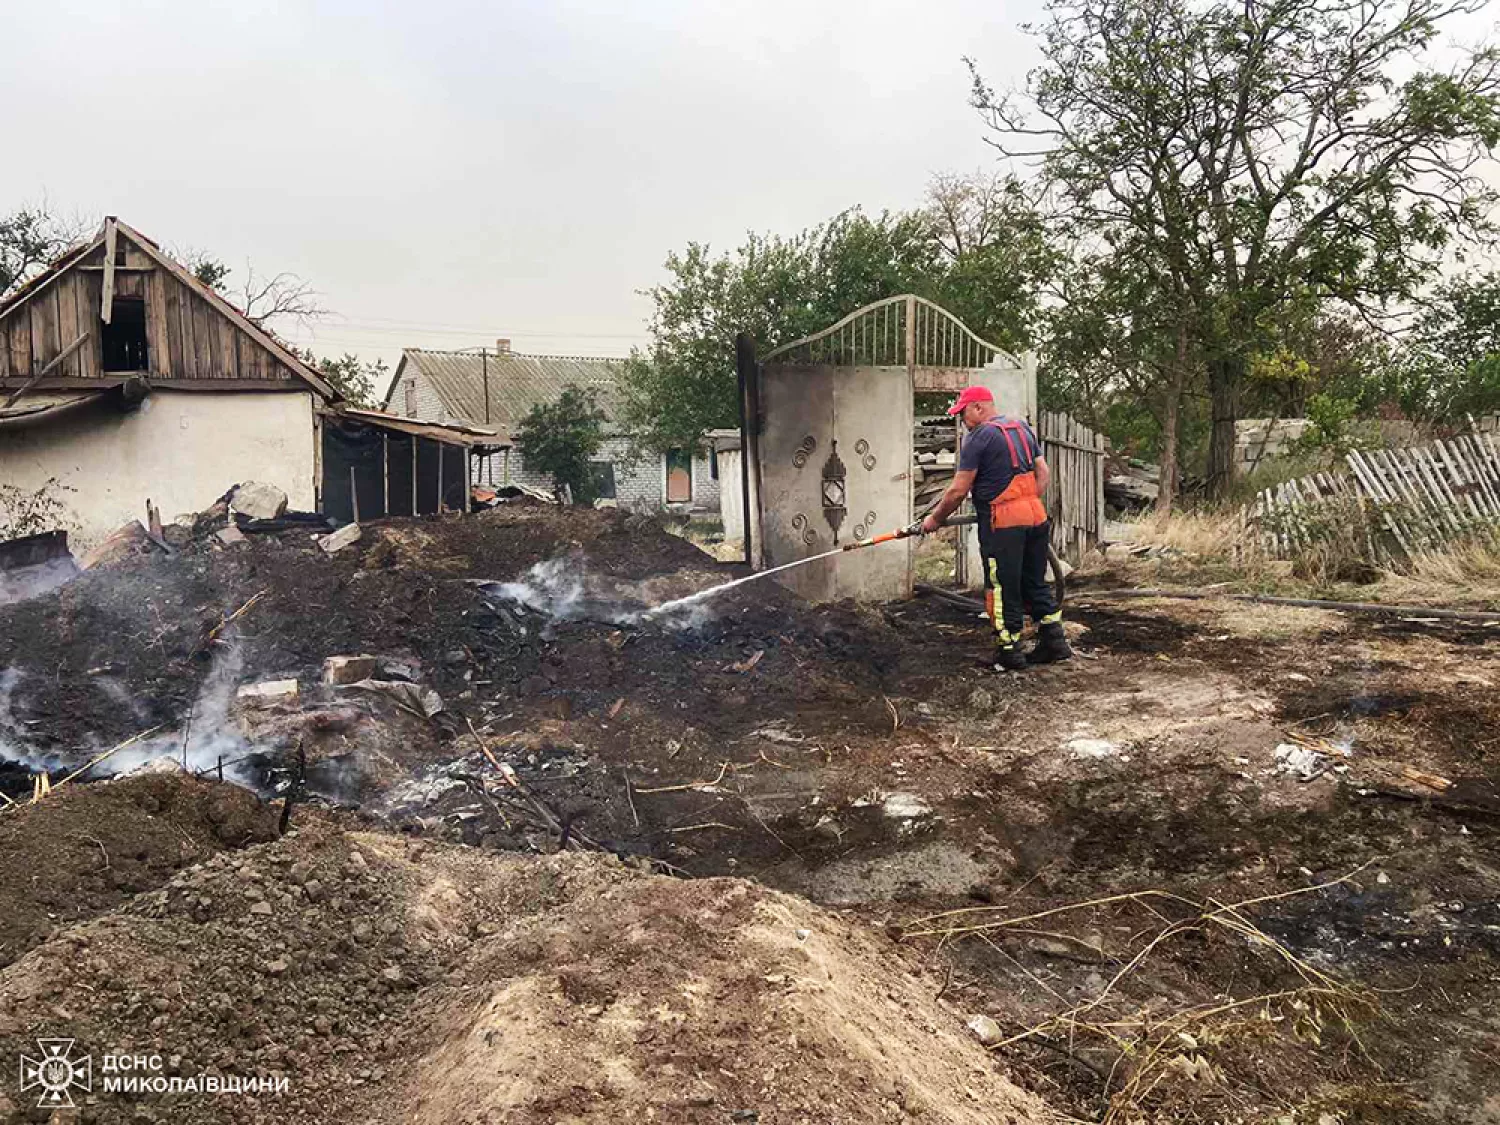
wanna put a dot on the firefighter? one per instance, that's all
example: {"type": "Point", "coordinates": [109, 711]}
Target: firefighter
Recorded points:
{"type": "Point", "coordinates": [1002, 464]}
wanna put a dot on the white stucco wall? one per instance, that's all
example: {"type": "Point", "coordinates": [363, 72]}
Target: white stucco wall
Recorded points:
{"type": "Point", "coordinates": [182, 449]}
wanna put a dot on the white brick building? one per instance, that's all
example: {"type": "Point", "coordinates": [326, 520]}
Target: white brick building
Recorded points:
{"type": "Point", "coordinates": [498, 388]}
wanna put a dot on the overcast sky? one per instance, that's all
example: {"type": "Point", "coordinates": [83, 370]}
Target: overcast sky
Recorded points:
{"type": "Point", "coordinates": [447, 172]}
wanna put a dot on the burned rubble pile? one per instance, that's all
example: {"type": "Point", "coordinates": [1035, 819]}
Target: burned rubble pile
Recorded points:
{"type": "Point", "coordinates": [423, 670]}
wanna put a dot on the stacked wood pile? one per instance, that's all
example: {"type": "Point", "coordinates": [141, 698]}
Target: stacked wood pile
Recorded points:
{"type": "Point", "coordinates": [1415, 500]}
{"type": "Point", "coordinates": [1075, 497]}
{"type": "Point", "coordinates": [934, 446]}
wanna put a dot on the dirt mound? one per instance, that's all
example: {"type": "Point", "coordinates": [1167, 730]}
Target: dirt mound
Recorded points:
{"type": "Point", "coordinates": [392, 980]}
{"type": "Point", "coordinates": [87, 848]}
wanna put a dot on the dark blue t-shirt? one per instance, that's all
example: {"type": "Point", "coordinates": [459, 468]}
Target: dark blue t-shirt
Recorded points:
{"type": "Point", "coordinates": [986, 454]}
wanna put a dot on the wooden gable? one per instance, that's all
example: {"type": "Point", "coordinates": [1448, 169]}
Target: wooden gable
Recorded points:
{"type": "Point", "coordinates": [119, 307]}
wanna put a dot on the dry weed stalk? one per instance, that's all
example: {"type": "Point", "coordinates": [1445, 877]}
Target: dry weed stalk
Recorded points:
{"type": "Point", "coordinates": [1145, 1042]}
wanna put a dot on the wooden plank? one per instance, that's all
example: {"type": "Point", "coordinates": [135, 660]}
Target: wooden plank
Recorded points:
{"type": "Point", "coordinates": [1474, 458]}
{"type": "Point", "coordinates": [158, 349]}
{"type": "Point", "coordinates": [130, 285]}
{"type": "Point", "coordinates": [1445, 476]}
{"type": "Point", "coordinates": [44, 347]}
{"type": "Point", "coordinates": [1397, 484]}
{"type": "Point", "coordinates": [70, 383]}
{"type": "Point", "coordinates": [213, 349]}
{"type": "Point", "coordinates": [69, 330]}
{"type": "Point", "coordinates": [90, 358]}
{"type": "Point", "coordinates": [203, 334]}
{"type": "Point", "coordinates": [1442, 500]}
{"type": "Point", "coordinates": [1465, 478]}
{"type": "Point", "coordinates": [228, 367]}
{"type": "Point", "coordinates": [191, 350]}
{"type": "Point", "coordinates": [55, 366]}
{"type": "Point", "coordinates": [1366, 478]}
{"type": "Point", "coordinates": [107, 294]}
{"type": "Point", "coordinates": [172, 294]}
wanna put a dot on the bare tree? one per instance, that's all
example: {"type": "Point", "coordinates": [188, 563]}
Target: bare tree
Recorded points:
{"type": "Point", "coordinates": [284, 296]}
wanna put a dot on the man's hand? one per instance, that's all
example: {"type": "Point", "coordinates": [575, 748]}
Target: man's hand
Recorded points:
{"type": "Point", "coordinates": [930, 524]}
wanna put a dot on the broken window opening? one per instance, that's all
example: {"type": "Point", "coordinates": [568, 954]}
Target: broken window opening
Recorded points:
{"type": "Point", "coordinates": [123, 341]}
{"type": "Point", "coordinates": [603, 479]}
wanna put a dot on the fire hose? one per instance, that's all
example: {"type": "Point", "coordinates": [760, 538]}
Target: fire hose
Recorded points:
{"type": "Point", "coordinates": [1054, 563]}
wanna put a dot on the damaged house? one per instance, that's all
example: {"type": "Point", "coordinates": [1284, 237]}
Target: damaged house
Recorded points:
{"type": "Point", "coordinates": [497, 389]}
{"type": "Point", "coordinates": [123, 378]}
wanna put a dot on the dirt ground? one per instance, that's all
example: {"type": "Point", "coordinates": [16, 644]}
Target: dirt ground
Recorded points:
{"type": "Point", "coordinates": [1233, 863]}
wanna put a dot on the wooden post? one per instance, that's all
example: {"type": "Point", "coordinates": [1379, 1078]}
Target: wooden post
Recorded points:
{"type": "Point", "coordinates": [354, 493]}
{"type": "Point", "coordinates": [107, 298]}
{"type": "Point", "coordinates": [744, 363]}
{"type": "Point", "coordinates": [442, 507]}
{"type": "Point", "coordinates": [385, 469]}
{"type": "Point", "coordinates": [414, 440]}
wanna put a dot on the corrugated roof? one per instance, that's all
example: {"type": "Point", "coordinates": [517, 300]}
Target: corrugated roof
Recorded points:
{"type": "Point", "coordinates": [453, 433]}
{"type": "Point", "coordinates": [516, 383]}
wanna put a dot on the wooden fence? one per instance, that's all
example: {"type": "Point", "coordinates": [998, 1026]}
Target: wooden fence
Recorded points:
{"type": "Point", "coordinates": [1414, 499]}
{"type": "Point", "coordinates": [1075, 495]}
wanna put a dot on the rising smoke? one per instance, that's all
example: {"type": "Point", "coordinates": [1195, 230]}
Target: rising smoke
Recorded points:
{"type": "Point", "coordinates": [562, 590]}
{"type": "Point", "coordinates": [207, 734]}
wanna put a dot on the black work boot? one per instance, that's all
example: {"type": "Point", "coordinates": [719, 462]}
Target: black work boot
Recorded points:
{"type": "Point", "coordinates": [1009, 658]}
{"type": "Point", "coordinates": [1051, 645]}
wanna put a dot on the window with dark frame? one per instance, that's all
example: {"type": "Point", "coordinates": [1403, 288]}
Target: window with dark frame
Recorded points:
{"type": "Point", "coordinates": [123, 339]}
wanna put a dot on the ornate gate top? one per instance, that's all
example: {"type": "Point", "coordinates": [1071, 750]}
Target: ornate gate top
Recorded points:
{"type": "Point", "coordinates": [937, 348]}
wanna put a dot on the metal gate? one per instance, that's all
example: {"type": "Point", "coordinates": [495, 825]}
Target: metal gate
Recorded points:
{"type": "Point", "coordinates": [827, 427]}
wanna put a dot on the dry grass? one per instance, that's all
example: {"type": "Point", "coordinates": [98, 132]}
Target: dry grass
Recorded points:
{"type": "Point", "coordinates": [1210, 548]}
{"type": "Point", "coordinates": [1216, 535]}
{"type": "Point", "coordinates": [1151, 1045]}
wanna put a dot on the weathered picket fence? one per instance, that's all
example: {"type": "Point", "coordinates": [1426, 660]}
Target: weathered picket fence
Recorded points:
{"type": "Point", "coordinates": [1075, 496]}
{"type": "Point", "coordinates": [1421, 497]}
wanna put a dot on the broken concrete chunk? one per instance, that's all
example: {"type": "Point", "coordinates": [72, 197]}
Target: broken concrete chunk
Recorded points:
{"type": "Point", "coordinates": [1092, 748]}
{"type": "Point", "coordinates": [338, 540]}
{"type": "Point", "coordinates": [271, 691]}
{"type": "Point", "coordinates": [340, 670]}
{"type": "Point", "coordinates": [229, 536]}
{"type": "Point", "coordinates": [258, 501]}
{"type": "Point", "coordinates": [986, 1030]}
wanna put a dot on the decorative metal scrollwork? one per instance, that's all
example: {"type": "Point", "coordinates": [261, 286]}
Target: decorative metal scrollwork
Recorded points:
{"type": "Point", "coordinates": [863, 529]}
{"type": "Point", "coordinates": [804, 451]}
{"type": "Point", "coordinates": [835, 491]}
{"type": "Point", "coordinates": [809, 534]}
{"type": "Point", "coordinates": [862, 447]}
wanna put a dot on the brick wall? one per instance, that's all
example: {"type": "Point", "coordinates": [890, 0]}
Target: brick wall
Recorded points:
{"type": "Point", "coordinates": [638, 484]}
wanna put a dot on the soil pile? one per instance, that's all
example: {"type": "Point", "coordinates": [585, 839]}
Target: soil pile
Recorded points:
{"type": "Point", "coordinates": [89, 848]}
{"type": "Point", "coordinates": [394, 980]}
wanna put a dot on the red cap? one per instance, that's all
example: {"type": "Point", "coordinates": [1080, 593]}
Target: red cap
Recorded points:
{"type": "Point", "coordinates": [971, 395]}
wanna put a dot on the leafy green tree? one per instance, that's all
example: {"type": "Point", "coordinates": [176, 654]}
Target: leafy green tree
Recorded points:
{"type": "Point", "coordinates": [560, 438]}
{"type": "Point", "coordinates": [976, 247]}
{"type": "Point", "coordinates": [353, 378]}
{"type": "Point", "coordinates": [1259, 151]}
{"type": "Point", "coordinates": [29, 239]}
